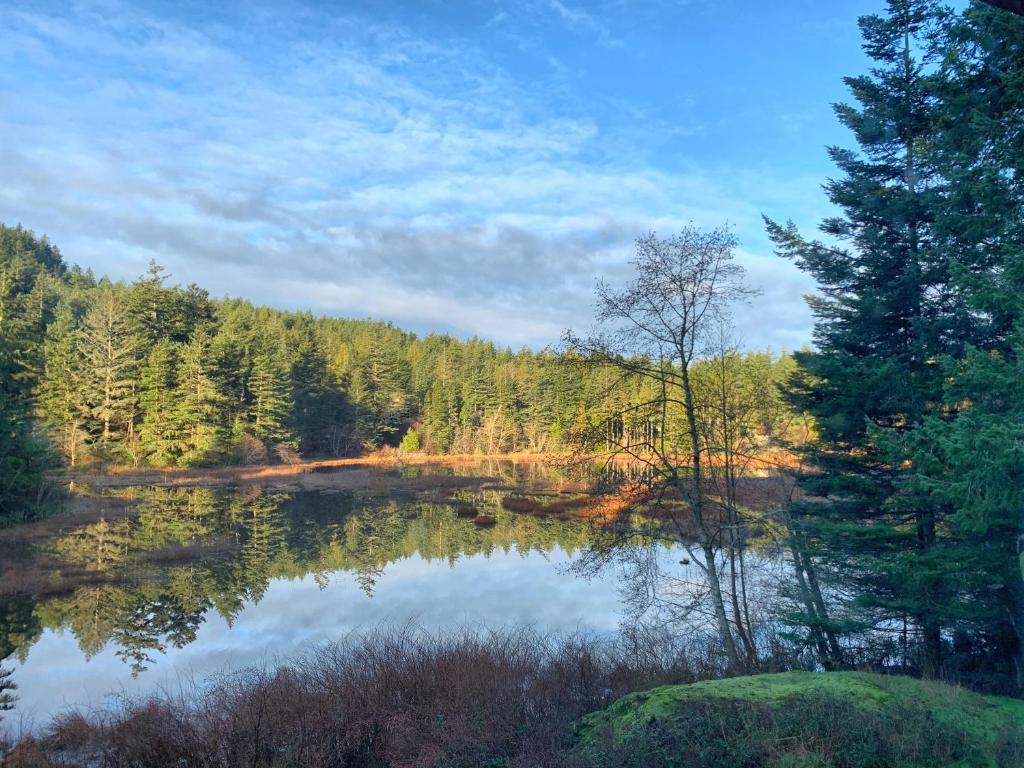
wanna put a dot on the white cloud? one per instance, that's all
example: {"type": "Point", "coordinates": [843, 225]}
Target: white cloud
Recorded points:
{"type": "Point", "coordinates": [359, 169]}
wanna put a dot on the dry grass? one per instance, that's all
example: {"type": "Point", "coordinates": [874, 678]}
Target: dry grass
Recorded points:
{"type": "Point", "coordinates": [767, 462]}
{"type": "Point", "coordinates": [392, 698]}
{"type": "Point", "coordinates": [173, 477]}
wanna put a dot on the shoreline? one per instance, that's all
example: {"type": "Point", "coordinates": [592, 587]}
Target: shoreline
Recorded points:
{"type": "Point", "coordinates": [174, 477]}
{"type": "Point", "coordinates": [270, 474]}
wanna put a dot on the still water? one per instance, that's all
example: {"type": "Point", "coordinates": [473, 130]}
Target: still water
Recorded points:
{"type": "Point", "coordinates": [195, 582]}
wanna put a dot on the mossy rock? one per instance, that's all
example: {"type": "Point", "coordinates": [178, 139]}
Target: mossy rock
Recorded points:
{"type": "Point", "coordinates": [805, 720]}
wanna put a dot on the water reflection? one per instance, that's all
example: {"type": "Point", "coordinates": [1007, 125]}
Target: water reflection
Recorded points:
{"type": "Point", "coordinates": [200, 579]}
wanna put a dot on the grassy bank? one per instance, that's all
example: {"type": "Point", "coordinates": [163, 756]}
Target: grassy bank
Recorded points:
{"type": "Point", "coordinates": [805, 719]}
{"type": "Point", "coordinates": [406, 698]}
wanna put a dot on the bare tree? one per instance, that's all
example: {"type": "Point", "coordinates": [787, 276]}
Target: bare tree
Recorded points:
{"type": "Point", "coordinates": [655, 329]}
{"type": "Point", "coordinates": [728, 400]}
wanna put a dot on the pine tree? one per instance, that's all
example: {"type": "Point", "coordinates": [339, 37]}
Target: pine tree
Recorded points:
{"type": "Point", "coordinates": [107, 348]}
{"type": "Point", "coordinates": [270, 402]}
{"type": "Point", "coordinates": [61, 398]}
{"type": "Point", "coordinates": [438, 418]}
{"type": "Point", "coordinates": [884, 316]}
{"type": "Point", "coordinates": [968, 455]}
{"type": "Point", "coordinates": [378, 387]}
{"type": "Point", "coordinates": [319, 408]}
{"type": "Point", "coordinates": [199, 413]}
{"type": "Point", "coordinates": [30, 271]}
{"type": "Point", "coordinates": [160, 409]}
{"type": "Point", "coordinates": [22, 457]}
{"type": "Point", "coordinates": [148, 305]}
{"type": "Point", "coordinates": [974, 463]}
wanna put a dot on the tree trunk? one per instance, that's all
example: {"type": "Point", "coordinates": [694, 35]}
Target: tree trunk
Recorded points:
{"type": "Point", "coordinates": [696, 504]}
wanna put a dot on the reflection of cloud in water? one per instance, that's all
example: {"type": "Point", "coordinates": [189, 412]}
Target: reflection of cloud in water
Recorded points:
{"type": "Point", "coordinates": [294, 614]}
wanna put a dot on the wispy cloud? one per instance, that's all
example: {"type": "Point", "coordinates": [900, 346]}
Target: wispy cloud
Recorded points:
{"type": "Point", "coordinates": [348, 164]}
{"type": "Point", "coordinates": [579, 19]}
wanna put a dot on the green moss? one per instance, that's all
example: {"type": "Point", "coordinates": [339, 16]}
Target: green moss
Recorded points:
{"type": "Point", "coordinates": [818, 718]}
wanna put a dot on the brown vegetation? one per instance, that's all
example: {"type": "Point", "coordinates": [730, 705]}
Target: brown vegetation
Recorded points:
{"type": "Point", "coordinates": [393, 698]}
{"type": "Point", "coordinates": [304, 472]}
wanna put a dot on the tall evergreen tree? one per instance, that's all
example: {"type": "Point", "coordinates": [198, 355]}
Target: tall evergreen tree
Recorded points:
{"type": "Point", "coordinates": [270, 401]}
{"type": "Point", "coordinates": [319, 408]}
{"type": "Point", "coordinates": [158, 432]}
{"type": "Point", "coordinates": [61, 398]}
{"type": "Point", "coordinates": [968, 456]}
{"type": "Point", "coordinates": [199, 413]}
{"type": "Point", "coordinates": [108, 347]}
{"type": "Point", "coordinates": [883, 317]}
{"type": "Point", "coordinates": [378, 387]}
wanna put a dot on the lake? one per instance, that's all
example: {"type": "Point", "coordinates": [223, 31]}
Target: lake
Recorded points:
{"type": "Point", "coordinates": [163, 585]}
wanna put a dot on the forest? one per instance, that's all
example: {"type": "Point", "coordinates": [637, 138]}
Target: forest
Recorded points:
{"type": "Point", "coordinates": [150, 374]}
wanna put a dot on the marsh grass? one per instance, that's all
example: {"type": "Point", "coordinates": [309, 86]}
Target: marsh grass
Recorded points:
{"type": "Point", "coordinates": [395, 697]}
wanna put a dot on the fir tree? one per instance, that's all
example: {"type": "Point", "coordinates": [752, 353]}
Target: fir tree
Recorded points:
{"type": "Point", "coordinates": [107, 348]}
{"type": "Point", "coordinates": [883, 317]}
{"type": "Point", "coordinates": [199, 433]}
{"type": "Point", "coordinates": [968, 455]}
{"type": "Point", "coordinates": [61, 398]}
{"type": "Point", "coordinates": [270, 401]}
{"type": "Point", "coordinates": [161, 412]}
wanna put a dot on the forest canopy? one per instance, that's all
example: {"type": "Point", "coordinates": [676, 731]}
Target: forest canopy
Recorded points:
{"type": "Point", "coordinates": [150, 373]}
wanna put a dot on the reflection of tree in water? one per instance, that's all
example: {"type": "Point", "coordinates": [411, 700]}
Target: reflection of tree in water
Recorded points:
{"type": "Point", "coordinates": [99, 546]}
{"type": "Point", "coordinates": [93, 614]}
{"type": "Point", "coordinates": [154, 577]}
{"type": "Point", "coordinates": [19, 626]}
{"type": "Point", "coordinates": [157, 617]}
{"type": "Point", "coordinates": [177, 517]}
{"type": "Point", "coordinates": [262, 531]}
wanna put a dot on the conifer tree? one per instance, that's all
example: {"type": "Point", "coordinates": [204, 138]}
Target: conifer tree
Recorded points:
{"type": "Point", "coordinates": [438, 417]}
{"type": "Point", "coordinates": [157, 399]}
{"type": "Point", "coordinates": [882, 319]}
{"type": "Point", "coordinates": [968, 455]}
{"type": "Point", "coordinates": [270, 401]}
{"type": "Point", "coordinates": [148, 306]}
{"type": "Point", "coordinates": [378, 387]}
{"type": "Point", "coordinates": [200, 406]}
{"type": "Point", "coordinates": [318, 408]}
{"type": "Point", "coordinates": [61, 398]}
{"type": "Point", "coordinates": [22, 457]}
{"type": "Point", "coordinates": [107, 348]}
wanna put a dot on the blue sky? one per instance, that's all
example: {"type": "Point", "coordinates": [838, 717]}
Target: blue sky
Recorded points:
{"type": "Point", "coordinates": [468, 167]}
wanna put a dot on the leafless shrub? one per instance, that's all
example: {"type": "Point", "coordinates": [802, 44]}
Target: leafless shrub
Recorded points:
{"type": "Point", "coordinates": [397, 697]}
{"type": "Point", "coordinates": [251, 450]}
{"type": "Point", "coordinates": [286, 454]}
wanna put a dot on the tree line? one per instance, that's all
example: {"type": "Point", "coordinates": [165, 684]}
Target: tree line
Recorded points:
{"type": "Point", "coordinates": [147, 373]}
